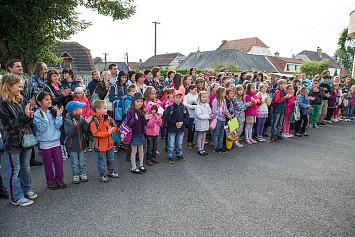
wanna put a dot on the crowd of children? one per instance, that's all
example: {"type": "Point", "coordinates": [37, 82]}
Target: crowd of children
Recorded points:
{"type": "Point", "coordinates": [219, 108]}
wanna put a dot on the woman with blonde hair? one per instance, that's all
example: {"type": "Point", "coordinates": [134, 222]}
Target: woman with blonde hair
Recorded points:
{"type": "Point", "coordinates": [15, 116]}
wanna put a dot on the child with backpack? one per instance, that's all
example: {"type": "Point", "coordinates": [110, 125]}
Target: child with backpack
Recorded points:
{"type": "Point", "coordinates": [177, 116]}
{"type": "Point", "coordinates": [102, 127]}
{"type": "Point", "coordinates": [190, 101]}
{"type": "Point", "coordinates": [132, 89]}
{"type": "Point", "coordinates": [290, 102]}
{"type": "Point", "coordinates": [86, 112]}
{"type": "Point", "coordinates": [165, 104]}
{"type": "Point", "coordinates": [305, 109]}
{"type": "Point", "coordinates": [75, 126]}
{"type": "Point", "coordinates": [278, 107]}
{"type": "Point", "coordinates": [47, 122]}
{"type": "Point", "coordinates": [137, 119]}
{"type": "Point", "coordinates": [152, 133]}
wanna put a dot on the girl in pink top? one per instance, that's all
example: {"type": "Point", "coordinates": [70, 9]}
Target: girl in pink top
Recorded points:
{"type": "Point", "coordinates": [86, 112]}
{"type": "Point", "coordinates": [250, 112]}
{"type": "Point", "coordinates": [212, 92]}
{"type": "Point", "coordinates": [290, 102]}
{"type": "Point", "coordinates": [152, 132]}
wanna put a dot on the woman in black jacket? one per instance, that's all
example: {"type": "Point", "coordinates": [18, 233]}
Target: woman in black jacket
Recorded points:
{"type": "Point", "coordinates": [15, 116]}
{"type": "Point", "coordinates": [59, 95]}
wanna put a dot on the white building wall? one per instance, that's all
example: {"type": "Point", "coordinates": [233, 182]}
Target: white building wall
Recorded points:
{"type": "Point", "coordinates": [259, 51]}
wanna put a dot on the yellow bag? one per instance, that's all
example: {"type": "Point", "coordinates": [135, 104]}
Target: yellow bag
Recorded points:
{"type": "Point", "coordinates": [229, 144]}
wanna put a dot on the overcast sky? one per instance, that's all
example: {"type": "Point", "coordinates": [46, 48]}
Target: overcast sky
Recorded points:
{"type": "Point", "coordinates": [284, 26]}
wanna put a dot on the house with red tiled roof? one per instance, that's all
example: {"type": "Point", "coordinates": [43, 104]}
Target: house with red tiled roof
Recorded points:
{"type": "Point", "coordinates": [285, 65]}
{"type": "Point", "coordinates": [75, 56]}
{"type": "Point", "coordinates": [164, 61]}
{"type": "Point", "coordinates": [247, 46]}
{"type": "Point", "coordinates": [344, 71]}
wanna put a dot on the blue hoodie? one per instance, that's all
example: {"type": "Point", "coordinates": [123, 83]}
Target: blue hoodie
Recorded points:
{"type": "Point", "coordinates": [47, 127]}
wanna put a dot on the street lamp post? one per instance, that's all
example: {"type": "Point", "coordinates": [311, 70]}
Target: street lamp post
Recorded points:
{"type": "Point", "coordinates": [155, 43]}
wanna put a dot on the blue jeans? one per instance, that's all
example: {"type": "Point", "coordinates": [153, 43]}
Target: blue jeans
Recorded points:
{"type": "Point", "coordinates": [175, 141]}
{"type": "Point", "coordinates": [101, 161]}
{"type": "Point", "coordinates": [1, 183]}
{"type": "Point", "coordinates": [218, 134]}
{"type": "Point", "coordinates": [277, 125]}
{"type": "Point", "coordinates": [19, 162]}
{"type": "Point", "coordinates": [78, 162]}
{"type": "Point", "coordinates": [349, 111]}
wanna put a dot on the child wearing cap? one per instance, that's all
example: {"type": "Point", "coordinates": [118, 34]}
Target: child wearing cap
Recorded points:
{"type": "Point", "coordinates": [177, 116]}
{"type": "Point", "coordinates": [75, 126]}
{"type": "Point", "coordinates": [102, 127]}
{"type": "Point", "coordinates": [80, 97]}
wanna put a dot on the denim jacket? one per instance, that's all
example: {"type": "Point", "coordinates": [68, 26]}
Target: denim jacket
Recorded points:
{"type": "Point", "coordinates": [303, 101]}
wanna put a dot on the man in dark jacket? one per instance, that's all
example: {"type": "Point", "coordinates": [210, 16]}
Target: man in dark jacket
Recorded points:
{"type": "Point", "coordinates": [95, 80]}
{"type": "Point", "coordinates": [315, 95]}
{"type": "Point", "coordinates": [37, 79]}
{"type": "Point", "coordinates": [177, 117]}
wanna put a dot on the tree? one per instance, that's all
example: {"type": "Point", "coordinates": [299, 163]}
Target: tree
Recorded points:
{"type": "Point", "coordinates": [28, 28]}
{"type": "Point", "coordinates": [313, 68]}
{"type": "Point", "coordinates": [231, 67]}
{"type": "Point", "coordinates": [97, 60]}
{"type": "Point", "coordinates": [346, 49]}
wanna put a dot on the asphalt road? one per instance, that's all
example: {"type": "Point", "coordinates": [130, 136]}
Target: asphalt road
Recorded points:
{"type": "Point", "coordinates": [297, 187]}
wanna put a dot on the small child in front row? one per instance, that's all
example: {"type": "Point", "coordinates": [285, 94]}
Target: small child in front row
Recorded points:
{"type": "Point", "coordinates": [289, 104]}
{"type": "Point", "coordinates": [75, 126]}
{"type": "Point", "coordinates": [137, 119]}
{"type": "Point", "coordinates": [47, 122]}
{"type": "Point", "coordinates": [177, 117]}
{"type": "Point", "coordinates": [305, 110]}
{"type": "Point", "coordinates": [251, 112]}
{"type": "Point", "coordinates": [165, 104]}
{"type": "Point", "coordinates": [102, 127]}
{"type": "Point", "coordinates": [152, 133]}
{"type": "Point", "coordinates": [203, 114]}
{"type": "Point", "coordinates": [239, 110]}
{"type": "Point", "coordinates": [190, 101]}
{"type": "Point", "coordinates": [263, 111]}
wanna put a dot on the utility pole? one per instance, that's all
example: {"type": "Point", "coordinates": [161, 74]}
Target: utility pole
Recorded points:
{"type": "Point", "coordinates": [127, 60]}
{"type": "Point", "coordinates": [155, 43]}
{"type": "Point", "coordinates": [105, 60]}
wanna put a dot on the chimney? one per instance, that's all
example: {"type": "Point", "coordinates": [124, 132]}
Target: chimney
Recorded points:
{"type": "Point", "coordinates": [319, 51]}
{"type": "Point", "coordinates": [277, 54]}
{"type": "Point", "coordinates": [223, 41]}
{"type": "Point", "coordinates": [198, 52]}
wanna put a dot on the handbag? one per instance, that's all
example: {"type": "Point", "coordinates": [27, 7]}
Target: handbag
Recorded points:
{"type": "Point", "coordinates": [213, 123]}
{"type": "Point", "coordinates": [28, 140]}
{"type": "Point", "coordinates": [125, 132]}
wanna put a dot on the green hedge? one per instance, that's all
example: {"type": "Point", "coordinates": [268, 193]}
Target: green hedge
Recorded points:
{"type": "Point", "coordinates": [164, 72]}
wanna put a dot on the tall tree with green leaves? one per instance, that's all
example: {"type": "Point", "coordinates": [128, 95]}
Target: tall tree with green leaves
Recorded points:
{"type": "Point", "coordinates": [313, 68]}
{"type": "Point", "coordinates": [28, 28]}
{"type": "Point", "coordinates": [230, 66]}
{"type": "Point", "coordinates": [346, 50]}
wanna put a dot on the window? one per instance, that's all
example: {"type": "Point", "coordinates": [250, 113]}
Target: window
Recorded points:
{"type": "Point", "coordinates": [288, 67]}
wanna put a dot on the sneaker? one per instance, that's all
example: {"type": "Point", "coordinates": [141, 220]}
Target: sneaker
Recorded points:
{"type": "Point", "coordinates": [322, 124]}
{"type": "Point", "coordinates": [339, 119]}
{"type": "Point", "coordinates": [330, 122]}
{"type": "Point", "coordinates": [284, 135]}
{"type": "Point", "coordinates": [4, 193]}
{"type": "Point", "coordinates": [253, 141]}
{"type": "Point", "coordinates": [310, 125]}
{"type": "Point", "coordinates": [180, 158]}
{"type": "Point", "coordinates": [298, 134]}
{"type": "Point", "coordinates": [260, 139]}
{"type": "Point", "coordinates": [224, 150]}
{"type": "Point", "coordinates": [23, 202]}
{"type": "Point", "coordinates": [216, 151]}
{"type": "Point", "coordinates": [274, 139]}
{"type": "Point", "coordinates": [170, 161]}
{"type": "Point", "coordinates": [76, 179]}
{"type": "Point", "coordinates": [149, 163]}
{"type": "Point", "coordinates": [113, 174]}
{"type": "Point", "coordinates": [205, 153]}
{"type": "Point", "coordinates": [315, 125]}
{"type": "Point", "coordinates": [248, 141]}
{"type": "Point", "coordinates": [116, 150]}
{"type": "Point", "coordinates": [104, 178]}
{"type": "Point", "coordinates": [84, 177]}
{"type": "Point", "coordinates": [157, 152]}
{"type": "Point", "coordinates": [35, 163]}
{"type": "Point", "coordinates": [155, 160]}
{"type": "Point", "coordinates": [136, 171]}
{"type": "Point", "coordinates": [61, 185]}
{"type": "Point", "coordinates": [347, 120]}
{"type": "Point", "coordinates": [190, 146]}
{"type": "Point", "coordinates": [89, 149]}
{"type": "Point", "coordinates": [201, 153]}
{"type": "Point", "coordinates": [31, 195]}
{"type": "Point", "coordinates": [289, 135]}
{"type": "Point", "coordinates": [144, 170]}
{"type": "Point", "coordinates": [53, 186]}
{"type": "Point", "coordinates": [279, 137]}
